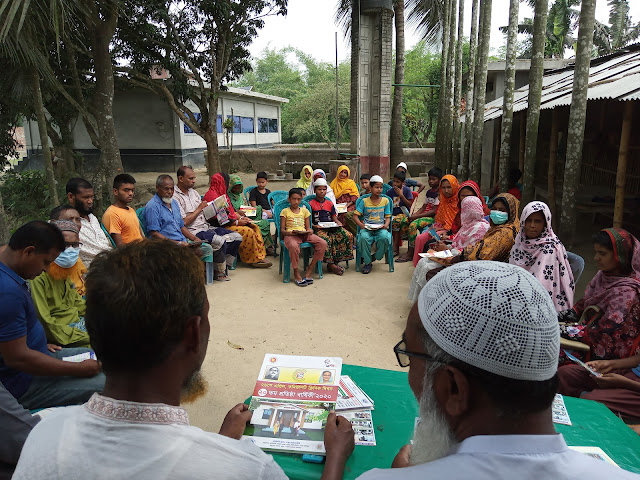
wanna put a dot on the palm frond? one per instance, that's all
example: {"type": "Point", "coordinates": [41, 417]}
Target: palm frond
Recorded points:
{"type": "Point", "coordinates": [342, 16]}
{"type": "Point", "coordinates": [427, 16]}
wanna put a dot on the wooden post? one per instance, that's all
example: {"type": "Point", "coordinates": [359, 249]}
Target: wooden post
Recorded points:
{"type": "Point", "coordinates": [523, 133]}
{"type": "Point", "coordinates": [551, 176]}
{"type": "Point", "coordinates": [623, 156]}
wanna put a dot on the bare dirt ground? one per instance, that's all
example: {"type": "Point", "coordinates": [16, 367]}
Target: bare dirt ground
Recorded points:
{"type": "Point", "coordinates": [357, 317]}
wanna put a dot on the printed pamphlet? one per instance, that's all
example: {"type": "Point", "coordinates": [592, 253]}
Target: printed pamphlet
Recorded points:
{"type": "Point", "coordinates": [595, 452]}
{"type": "Point", "coordinates": [341, 207]}
{"type": "Point", "coordinates": [582, 364]}
{"type": "Point", "coordinates": [219, 209]}
{"type": "Point", "coordinates": [559, 411]}
{"type": "Point", "coordinates": [441, 254]}
{"type": "Point", "coordinates": [248, 210]}
{"type": "Point", "coordinates": [362, 424]}
{"type": "Point", "coordinates": [81, 357]}
{"type": "Point", "coordinates": [351, 396]}
{"type": "Point", "coordinates": [373, 226]}
{"type": "Point", "coordinates": [291, 402]}
{"type": "Point", "coordinates": [327, 224]}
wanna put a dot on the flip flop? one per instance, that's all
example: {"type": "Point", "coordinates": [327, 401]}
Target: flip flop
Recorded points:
{"type": "Point", "coordinates": [221, 277]}
{"type": "Point", "coordinates": [340, 270]}
{"type": "Point", "coordinates": [402, 259]}
{"type": "Point", "coordinates": [367, 268]}
{"type": "Point", "coordinates": [301, 283]}
{"type": "Point", "coordinates": [308, 281]}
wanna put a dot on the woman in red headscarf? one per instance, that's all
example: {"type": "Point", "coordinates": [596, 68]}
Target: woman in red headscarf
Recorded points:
{"type": "Point", "coordinates": [445, 216]}
{"type": "Point", "coordinates": [252, 250]}
{"type": "Point", "coordinates": [469, 188]}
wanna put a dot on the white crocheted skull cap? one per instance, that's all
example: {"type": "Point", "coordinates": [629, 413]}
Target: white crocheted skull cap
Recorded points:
{"type": "Point", "coordinates": [493, 316]}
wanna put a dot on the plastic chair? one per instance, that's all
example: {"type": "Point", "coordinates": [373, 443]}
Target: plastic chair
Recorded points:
{"type": "Point", "coordinates": [388, 253]}
{"type": "Point", "coordinates": [385, 188]}
{"type": "Point", "coordinates": [576, 262]}
{"type": "Point", "coordinates": [305, 247]}
{"type": "Point", "coordinates": [140, 214]}
{"type": "Point", "coordinates": [276, 197]}
{"type": "Point", "coordinates": [246, 193]}
{"type": "Point", "coordinates": [308, 198]}
{"type": "Point", "coordinates": [113, 243]}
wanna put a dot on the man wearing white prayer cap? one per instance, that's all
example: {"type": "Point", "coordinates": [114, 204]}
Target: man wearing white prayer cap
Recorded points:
{"type": "Point", "coordinates": [409, 182]}
{"type": "Point", "coordinates": [482, 344]}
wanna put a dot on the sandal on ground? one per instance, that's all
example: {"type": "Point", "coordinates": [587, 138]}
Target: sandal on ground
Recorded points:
{"type": "Point", "coordinates": [335, 268]}
{"type": "Point", "coordinates": [301, 283]}
{"type": "Point", "coordinates": [271, 252]}
{"type": "Point", "coordinates": [261, 264]}
{"type": "Point", "coordinates": [402, 259]}
{"type": "Point", "coordinates": [395, 254]}
{"type": "Point", "coordinates": [367, 268]}
{"type": "Point", "coordinates": [307, 280]}
{"type": "Point", "coordinates": [221, 277]}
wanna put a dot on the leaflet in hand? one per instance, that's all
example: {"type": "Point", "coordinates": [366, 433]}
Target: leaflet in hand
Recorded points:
{"type": "Point", "coordinates": [362, 424]}
{"type": "Point", "coordinates": [441, 254]}
{"type": "Point", "coordinates": [248, 210]}
{"type": "Point", "coordinates": [219, 209]}
{"type": "Point", "coordinates": [559, 412]}
{"type": "Point", "coordinates": [373, 226]}
{"type": "Point", "coordinates": [582, 364]}
{"type": "Point", "coordinates": [327, 224]}
{"type": "Point", "coordinates": [291, 402]}
{"type": "Point", "coordinates": [341, 207]}
{"type": "Point", "coordinates": [81, 357]}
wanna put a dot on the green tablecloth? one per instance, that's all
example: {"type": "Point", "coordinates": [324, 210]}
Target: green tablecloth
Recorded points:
{"type": "Point", "coordinates": [394, 419]}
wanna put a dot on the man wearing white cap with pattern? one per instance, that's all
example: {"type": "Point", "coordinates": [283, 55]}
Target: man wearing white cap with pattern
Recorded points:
{"type": "Point", "coordinates": [409, 182]}
{"type": "Point", "coordinates": [482, 345]}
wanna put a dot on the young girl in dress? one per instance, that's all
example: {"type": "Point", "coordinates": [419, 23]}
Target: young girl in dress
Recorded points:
{"type": "Point", "coordinates": [339, 241]}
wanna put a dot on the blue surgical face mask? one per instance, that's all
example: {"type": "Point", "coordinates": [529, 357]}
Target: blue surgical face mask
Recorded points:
{"type": "Point", "coordinates": [68, 258]}
{"type": "Point", "coordinates": [498, 217]}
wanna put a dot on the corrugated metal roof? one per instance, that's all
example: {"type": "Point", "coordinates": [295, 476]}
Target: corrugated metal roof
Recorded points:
{"type": "Point", "coordinates": [615, 76]}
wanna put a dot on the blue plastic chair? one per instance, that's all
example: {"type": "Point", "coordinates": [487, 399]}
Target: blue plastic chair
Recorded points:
{"type": "Point", "coordinates": [308, 198]}
{"type": "Point", "coordinates": [385, 188]}
{"type": "Point", "coordinates": [388, 254]}
{"type": "Point", "coordinates": [246, 193]}
{"type": "Point", "coordinates": [113, 243]}
{"type": "Point", "coordinates": [305, 247]}
{"type": "Point", "coordinates": [276, 197]}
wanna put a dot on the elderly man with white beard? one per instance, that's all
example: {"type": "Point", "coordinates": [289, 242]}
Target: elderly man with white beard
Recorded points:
{"type": "Point", "coordinates": [482, 346]}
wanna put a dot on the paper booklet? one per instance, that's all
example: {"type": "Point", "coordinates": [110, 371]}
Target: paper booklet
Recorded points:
{"type": "Point", "coordinates": [559, 412]}
{"type": "Point", "coordinates": [327, 224]}
{"type": "Point", "coordinates": [291, 402]}
{"type": "Point", "coordinates": [341, 207]}
{"type": "Point", "coordinates": [248, 210]}
{"type": "Point", "coordinates": [595, 452]}
{"type": "Point", "coordinates": [373, 226]}
{"type": "Point", "coordinates": [81, 357]}
{"type": "Point", "coordinates": [219, 209]}
{"type": "Point", "coordinates": [351, 396]}
{"type": "Point", "coordinates": [362, 424]}
{"type": "Point", "coordinates": [441, 254]}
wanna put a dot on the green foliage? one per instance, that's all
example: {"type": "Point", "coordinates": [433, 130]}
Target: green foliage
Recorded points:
{"type": "Point", "coordinates": [310, 87]}
{"type": "Point", "coordinates": [26, 195]}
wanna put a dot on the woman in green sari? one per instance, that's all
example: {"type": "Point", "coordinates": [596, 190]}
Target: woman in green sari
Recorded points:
{"type": "Point", "coordinates": [236, 196]}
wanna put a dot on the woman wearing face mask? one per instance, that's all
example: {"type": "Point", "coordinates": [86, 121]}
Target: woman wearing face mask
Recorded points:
{"type": "Point", "coordinates": [58, 301]}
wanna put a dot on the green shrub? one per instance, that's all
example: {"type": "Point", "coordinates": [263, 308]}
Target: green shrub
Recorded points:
{"type": "Point", "coordinates": [26, 195]}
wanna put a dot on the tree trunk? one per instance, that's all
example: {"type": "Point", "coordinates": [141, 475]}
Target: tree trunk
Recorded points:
{"type": "Point", "coordinates": [395, 147]}
{"type": "Point", "coordinates": [623, 157]}
{"type": "Point", "coordinates": [468, 114]}
{"type": "Point", "coordinates": [38, 105]}
{"type": "Point", "coordinates": [551, 171]}
{"type": "Point", "coordinates": [441, 132]}
{"type": "Point", "coordinates": [4, 225]}
{"type": "Point", "coordinates": [457, 96]}
{"type": "Point", "coordinates": [451, 76]}
{"type": "Point", "coordinates": [481, 88]}
{"type": "Point", "coordinates": [535, 93]}
{"type": "Point", "coordinates": [103, 29]}
{"type": "Point", "coordinates": [212, 156]}
{"type": "Point", "coordinates": [523, 125]}
{"type": "Point", "coordinates": [507, 104]}
{"type": "Point", "coordinates": [355, 65]}
{"type": "Point", "coordinates": [211, 134]}
{"type": "Point", "coordinates": [577, 118]}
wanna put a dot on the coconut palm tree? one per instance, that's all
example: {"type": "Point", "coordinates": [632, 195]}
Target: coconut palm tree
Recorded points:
{"type": "Point", "coordinates": [395, 143]}
{"type": "Point", "coordinates": [620, 31]}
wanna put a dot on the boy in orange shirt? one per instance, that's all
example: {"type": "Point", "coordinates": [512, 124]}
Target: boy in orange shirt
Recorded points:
{"type": "Point", "coordinates": [120, 219]}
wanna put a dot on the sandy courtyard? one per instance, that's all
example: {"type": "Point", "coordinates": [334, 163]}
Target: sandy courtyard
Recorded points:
{"type": "Point", "coordinates": [357, 317]}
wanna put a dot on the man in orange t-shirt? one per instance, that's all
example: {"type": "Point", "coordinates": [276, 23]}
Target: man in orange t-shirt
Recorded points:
{"type": "Point", "coordinates": [120, 219]}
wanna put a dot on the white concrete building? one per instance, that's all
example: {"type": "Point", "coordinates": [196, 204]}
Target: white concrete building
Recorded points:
{"type": "Point", "coordinates": [153, 138]}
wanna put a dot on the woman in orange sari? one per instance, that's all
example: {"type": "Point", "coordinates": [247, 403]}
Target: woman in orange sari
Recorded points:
{"type": "Point", "coordinates": [252, 250]}
{"type": "Point", "coordinates": [445, 216]}
{"type": "Point", "coordinates": [346, 191]}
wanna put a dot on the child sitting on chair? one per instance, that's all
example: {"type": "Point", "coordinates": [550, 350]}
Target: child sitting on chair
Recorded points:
{"type": "Point", "coordinates": [402, 199]}
{"type": "Point", "coordinates": [339, 240]}
{"type": "Point", "coordinates": [373, 215]}
{"type": "Point", "coordinates": [364, 184]}
{"type": "Point", "coordinates": [259, 196]}
{"type": "Point", "coordinates": [296, 229]}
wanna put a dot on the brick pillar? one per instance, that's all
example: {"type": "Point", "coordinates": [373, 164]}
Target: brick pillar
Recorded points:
{"type": "Point", "coordinates": [374, 92]}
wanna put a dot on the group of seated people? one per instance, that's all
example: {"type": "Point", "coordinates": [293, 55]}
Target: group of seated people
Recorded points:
{"type": "Point", "coordinates": [605, 323]}
{"type": "Point", "coordinates": [485, 410]}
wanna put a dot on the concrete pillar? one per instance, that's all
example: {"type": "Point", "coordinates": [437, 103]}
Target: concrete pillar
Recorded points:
{"type": "Point", "coordinates": [374, 86]}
